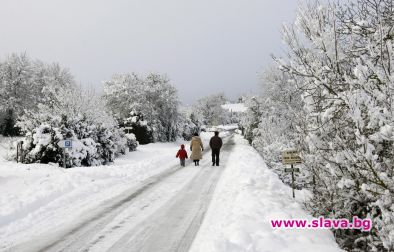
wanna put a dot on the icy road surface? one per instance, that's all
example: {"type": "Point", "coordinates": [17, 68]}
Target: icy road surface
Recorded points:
{"type": "Point", "coordinates": [162, 214]}
{"type": "Point", "coordinates": [146, 202]}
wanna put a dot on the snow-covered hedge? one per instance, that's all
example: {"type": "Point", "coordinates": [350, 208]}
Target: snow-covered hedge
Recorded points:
{"type": "Point", "coordinates": [92, 145]}
{"type": "Point", "coordinates": [79, 116]}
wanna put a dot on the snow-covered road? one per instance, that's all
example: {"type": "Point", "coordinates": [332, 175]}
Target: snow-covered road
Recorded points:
{"type": "Point", "coordinates": [161, 214]}
{"type": "Point", "coordinates": [146, 202]}
{"type": "Point", "coordinates": [174, 226]}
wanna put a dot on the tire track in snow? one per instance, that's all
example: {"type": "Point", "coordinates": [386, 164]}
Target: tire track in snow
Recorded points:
{"type": "Point", "coordinates": [175, 225]}
{"type": "Point", "coordinates": [92, 232]}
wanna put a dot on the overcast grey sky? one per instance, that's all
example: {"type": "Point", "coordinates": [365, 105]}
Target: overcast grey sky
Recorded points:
{"type": "Point", "coordinates": [204, 46]}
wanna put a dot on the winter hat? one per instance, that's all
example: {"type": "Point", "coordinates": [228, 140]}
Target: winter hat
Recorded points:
{"type": "Point", "coordinates": [182, 146]}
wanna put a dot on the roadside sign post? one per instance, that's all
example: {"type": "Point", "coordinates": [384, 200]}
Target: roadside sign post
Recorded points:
{"type": "Point", "coordinates": [128, 129]}
{"type": "Point", "coordinates": [65, 144]}
{"type": "Point", "coordinates": [292, 180]}
{"type": "Point", "coordinates": [291, 157]}
{"type": "Point", "coordinates": [19, 152]}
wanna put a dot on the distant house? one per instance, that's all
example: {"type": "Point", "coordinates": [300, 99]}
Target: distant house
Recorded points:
{"type": "Point", "coordinates": [235, 107]}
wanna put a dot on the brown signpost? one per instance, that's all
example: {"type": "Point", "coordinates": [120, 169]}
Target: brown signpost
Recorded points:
{"type": "Point", "coordinates": [291, 157]}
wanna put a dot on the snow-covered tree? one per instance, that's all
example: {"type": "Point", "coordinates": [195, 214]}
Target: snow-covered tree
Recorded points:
{"type": "Point", "coordinates": [24, 84]}
{"type": "Point", "coordinates": [209, 110]}
{"type": "Point", "coordinates": [250, 121]}
{"type": "Point", "coordinates": [342, 57]}
{"type": "Point", "coordinates": [188, 125]}
{"type": "Point", "coordinates": [273, 122]}
{"type": "Point", "coordinates": [148, 104]}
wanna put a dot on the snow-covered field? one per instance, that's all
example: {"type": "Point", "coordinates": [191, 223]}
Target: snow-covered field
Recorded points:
{"type": "Point", "coordinates": [247, 197]}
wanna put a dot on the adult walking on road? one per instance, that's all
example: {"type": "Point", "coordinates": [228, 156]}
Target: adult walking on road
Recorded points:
{"type": "Point", "coordinates": [215, 143]}
{"type": "Point", "coordinates": [196, 148]}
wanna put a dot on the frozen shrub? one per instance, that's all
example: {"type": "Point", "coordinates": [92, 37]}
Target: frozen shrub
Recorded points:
{"type": "Point", "coordinates": [132, 142]}
{"type": "Point", "coordinates": [80, 117]}
{"type": "Point", "coordinates": [139, 127]}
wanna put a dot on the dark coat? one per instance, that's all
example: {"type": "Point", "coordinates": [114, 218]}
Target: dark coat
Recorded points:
{"type": "Point", "coordinates": [216, 143]}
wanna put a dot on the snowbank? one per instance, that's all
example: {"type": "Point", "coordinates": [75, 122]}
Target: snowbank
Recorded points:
{"type": "Point", "coordinates": [247, 197]}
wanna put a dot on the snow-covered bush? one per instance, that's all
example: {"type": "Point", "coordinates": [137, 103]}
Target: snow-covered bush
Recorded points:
{"type": "Point", "coordinates": [76, 115]}
{"type": "Point", "coordinates": [152, 99]}
{"type": "Point", "coordinates": [132, 142]}
{"type": "Point", "coordinates": [140, 128]}
{"type": "Point", "coordinates": [39, 145]}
